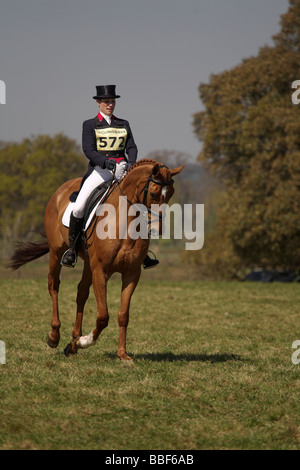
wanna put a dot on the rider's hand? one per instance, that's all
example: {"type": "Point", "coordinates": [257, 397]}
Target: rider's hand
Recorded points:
{"type": "Point", "coordinates": [110, 164]}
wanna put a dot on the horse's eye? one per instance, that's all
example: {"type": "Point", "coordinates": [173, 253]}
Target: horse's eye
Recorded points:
{"type": "Point", "coordinates": [152, 194]}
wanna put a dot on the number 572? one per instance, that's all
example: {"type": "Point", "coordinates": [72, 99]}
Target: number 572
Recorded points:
{"type": "Point", "coordinates": [110, 142]}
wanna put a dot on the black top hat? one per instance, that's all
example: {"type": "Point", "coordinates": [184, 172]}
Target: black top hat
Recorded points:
{"type": "Point", "coordinates": [106, 91]}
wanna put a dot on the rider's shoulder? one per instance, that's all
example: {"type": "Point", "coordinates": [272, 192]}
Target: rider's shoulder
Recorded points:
{"type": "Point", "coordinates": [120, 121]}
{"type": "Point", "coordinates": [115, 118]}
{"type": "Point", "coordinates": [89, 122]}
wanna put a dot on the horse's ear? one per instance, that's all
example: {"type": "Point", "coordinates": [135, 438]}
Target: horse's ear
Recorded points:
{"type": "Point", "coordinates": [155, 169]}
{"type": "Point", "coordinates": [177, 170]}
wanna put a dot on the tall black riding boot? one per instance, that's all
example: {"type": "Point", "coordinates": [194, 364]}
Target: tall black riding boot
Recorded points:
{"type": "Point", "coordinates": [75, 228]}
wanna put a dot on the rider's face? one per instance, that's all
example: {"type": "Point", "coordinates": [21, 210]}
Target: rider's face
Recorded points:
{"type": "Point", "coordinates": [107, 106]}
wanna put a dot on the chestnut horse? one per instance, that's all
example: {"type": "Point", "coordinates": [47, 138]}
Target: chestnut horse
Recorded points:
{"type": "Point", "coordinates": [147, 182]}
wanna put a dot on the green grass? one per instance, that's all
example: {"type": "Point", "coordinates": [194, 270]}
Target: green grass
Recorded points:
{"type": "Point", "coordinates": [212, 369]}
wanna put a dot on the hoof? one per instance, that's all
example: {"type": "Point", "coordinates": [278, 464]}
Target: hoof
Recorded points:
{"type": "Point", "coordinates": [125, 359]}
{"type": "Point", "coordinates": [70, 349]}
{"type": "Point", "coordinates": [52, 344]}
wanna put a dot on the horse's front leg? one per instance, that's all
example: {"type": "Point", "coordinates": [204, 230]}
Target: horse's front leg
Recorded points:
{"type": "Point", "coordinates": [83, 290]}
{"type": "Point", "coordinates": [129, 283]}
{"type": "Point", "coordinates": [99, 285]}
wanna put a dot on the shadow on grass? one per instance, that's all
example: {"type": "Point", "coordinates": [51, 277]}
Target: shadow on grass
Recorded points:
{"type": "Point", "coordinates": [170, 357]}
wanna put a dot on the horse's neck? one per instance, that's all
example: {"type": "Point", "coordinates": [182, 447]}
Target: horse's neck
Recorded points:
{"type": "Point", "coordinates": [129, 187]}
{"type": "Point", "coordinates": [131, 180]}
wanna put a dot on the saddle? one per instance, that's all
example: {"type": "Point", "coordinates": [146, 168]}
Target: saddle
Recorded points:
{"type": "Point", "coordinates": [95, 198]}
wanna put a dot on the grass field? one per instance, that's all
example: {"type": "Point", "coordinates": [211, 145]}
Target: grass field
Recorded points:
{"type": "Point", "coordinates": [212, 369]}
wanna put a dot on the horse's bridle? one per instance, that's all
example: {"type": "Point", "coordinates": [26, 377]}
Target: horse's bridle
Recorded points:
{"type": "Point", "coordinates": [145, 190]}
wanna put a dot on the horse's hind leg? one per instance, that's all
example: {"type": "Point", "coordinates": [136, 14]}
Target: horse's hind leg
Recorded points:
{"type": "Point", "coordinates": [83, 290]}
{"type": "Point", "coordinates": [129, 283]}
{"type": "Point", "coordinates": [53, 287]}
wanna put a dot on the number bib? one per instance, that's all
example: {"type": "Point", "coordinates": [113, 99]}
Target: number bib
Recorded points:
{"type": "Point", "coordinates": [111, 139]}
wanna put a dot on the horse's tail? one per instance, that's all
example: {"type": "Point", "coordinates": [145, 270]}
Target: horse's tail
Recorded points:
{"type": "Point", "coordinates": [26, 252]}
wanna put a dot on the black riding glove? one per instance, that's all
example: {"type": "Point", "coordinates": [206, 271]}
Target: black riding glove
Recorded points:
{"type": "Point", "coordinates": [110, 164]}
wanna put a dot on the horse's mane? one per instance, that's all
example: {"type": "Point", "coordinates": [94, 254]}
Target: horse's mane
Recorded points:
{"type": "Point", "coordinates": [145, 161]}
{"type": "Point", "coordinates": [141, 162]}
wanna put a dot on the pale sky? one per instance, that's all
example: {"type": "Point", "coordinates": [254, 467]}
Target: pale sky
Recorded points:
{"type": "Point", "coordinates": [54, 52]}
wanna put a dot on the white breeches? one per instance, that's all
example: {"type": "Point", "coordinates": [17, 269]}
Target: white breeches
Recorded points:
{"type": "Point", "coordinates": [98, 176]}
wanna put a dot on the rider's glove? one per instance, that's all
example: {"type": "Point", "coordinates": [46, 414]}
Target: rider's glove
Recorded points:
{"type": "Point", "coordinates": [110, 164]}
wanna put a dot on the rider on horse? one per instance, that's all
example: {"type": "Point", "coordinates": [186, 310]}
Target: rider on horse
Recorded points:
{"type": "Point", "coordinates": [105, 139]}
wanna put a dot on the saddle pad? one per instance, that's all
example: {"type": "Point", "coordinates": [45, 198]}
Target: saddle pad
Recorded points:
{"type": "Point", "coordinates": [69, 209]}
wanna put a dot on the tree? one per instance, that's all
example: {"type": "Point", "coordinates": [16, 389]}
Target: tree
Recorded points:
{"type": "Point", "coordinates": [251, 139]}
{"type": "Point", "coordinates": [30, 173]}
